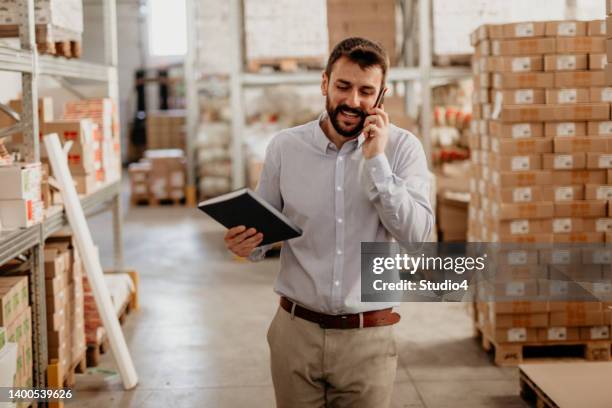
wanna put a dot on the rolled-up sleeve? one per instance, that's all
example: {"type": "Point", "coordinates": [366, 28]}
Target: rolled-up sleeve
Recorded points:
{"type": "Point", "coordinates": [268, 188]}
{"type": "Point", "coordinates": [401, 195]}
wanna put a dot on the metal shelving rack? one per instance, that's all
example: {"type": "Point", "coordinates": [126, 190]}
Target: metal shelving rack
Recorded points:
{"type": "Point", "coordinates": [425, 74]}
{"type": "Point", "coordinates": [31, 240]}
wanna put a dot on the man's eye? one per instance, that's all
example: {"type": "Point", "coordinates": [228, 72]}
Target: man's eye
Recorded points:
{"type": "Point", "coordinates": [342, 87]}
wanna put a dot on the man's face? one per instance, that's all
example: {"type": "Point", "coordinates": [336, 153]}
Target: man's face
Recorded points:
{"type": "Point", "coordinates": [350, 91]}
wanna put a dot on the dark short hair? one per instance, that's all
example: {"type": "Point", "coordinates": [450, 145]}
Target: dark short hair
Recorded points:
{"type": "Point", "coordinates": [364, 52]}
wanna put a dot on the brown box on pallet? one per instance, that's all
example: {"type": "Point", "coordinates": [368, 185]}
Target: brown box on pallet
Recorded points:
{"type": "Point", "coordinates": [576, 45]}
{"type": "Point", "coordinates": [534, 63]}
{"type": "Point", "coordinates": [521, 307]}
{"type": "Point", "coordinates": [599, 161]}
{"type": "Point", "coordinates": [559, 161]}
{"type": "Point", "coordinates": [516, 30]}
{"type": "Point", "coordinates": [558, 334]}
{"type": "Point", "coordinates": [581, 273]}
{"type": "Point", "coordinates": [595, 333]}
{"type": "Point", "coordinates": [598, 224]}
{"type": "Point", "coordinates": [563, 193]}
{"type": "Point", "coordinates": [598, 192]}
{"type": "Point", "coordinates": [527, 194]}
{"type": "Point", "coordinates": [608, 72]}
{"type": "Point", "coordinates": [512, 228]}
{"type": "Point", "coordinates": [568, 62]}
{"type": "Point", "coordinates": [568, 95]}
{"type": "Point", "coordinates": [516, 131]}
{"type": "Point", "coordinates": [525, 47]}
{"type": "Point", "coordinates": [591, 208]}
{"type": "Point", "coordinates": [522, 178]}
{"type": "Point", "coordinates": [570, 177]}
{"type": "Point", "coordinates": [566, 28]}
{"type": "Point", "coordinates": [580, 144]}
{"type": "Point", "coordinates": [597, 62]}
{"type": "Point", "coordinates": [521, 320]}
{"type": "Point", "coordinates": [55, 262]}
{"type": "Point", "coordinates": [600, 94]}
{"type": "Point", "coordinates": [565, 129]}
{"type": "Point", "coordinates": [576, 237]}
{"type": "Point", "coordinates": [523, 211]}
{"type": "Point", "coordinates": [596, 28]}
{"type": "Point", "coordinates": [566, 225]}
{"type": "Point", "coordinates": [577, 318]}
{"type": "Point", "coordinates": [522, 146]}
{"type": "Point", "coordinates": [545, 113]}
{"type": "Point", "coordinates": [600, 128]}
{"type": "Point", "coordinates": [579, 79]}
{"type": "Point", "coordinates": [515, 163]}
{"type": "Point", "coordinates": [516, 335]}
{"type": "Point", "coordinates": [574, 307]}
{"type": "Point", "coordinates": [520, 97]}
{"type": "Point", "coordinates": [521, 80]}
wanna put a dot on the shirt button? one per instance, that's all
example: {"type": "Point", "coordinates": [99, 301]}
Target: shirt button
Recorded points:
{"type": "Point", "coordinates": [339, 252]}
{"type": "Point", "coordinates": [337, 283]}
{"type": "Point", "coordinates": [339, 220]}
{"type": "Point", "coordinates": [339, 188]}
{"type": "Point", "coordinates": [373, 169]}
{"type": "Point", "coordinates": [339, 159]}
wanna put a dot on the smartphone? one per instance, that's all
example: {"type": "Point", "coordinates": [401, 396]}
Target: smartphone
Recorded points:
{"type": "Point", "coordinates": [381, 97]}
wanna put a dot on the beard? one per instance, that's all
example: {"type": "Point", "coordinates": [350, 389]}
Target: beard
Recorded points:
{"type": "Point", "coordinates": [349, 132]}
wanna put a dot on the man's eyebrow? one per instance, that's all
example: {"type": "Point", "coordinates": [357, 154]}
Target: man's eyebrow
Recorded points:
{"type": "Point", "coordinates": [343, 81]}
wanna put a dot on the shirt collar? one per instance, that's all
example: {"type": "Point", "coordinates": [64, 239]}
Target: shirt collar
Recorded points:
{"type": "Point", "coordinates": [323, 143]}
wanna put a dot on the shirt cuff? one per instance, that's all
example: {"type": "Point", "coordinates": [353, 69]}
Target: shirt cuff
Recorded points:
{"type": "Point", "coordinates": [258, 253]}
{"type": "Point", "coordinates": [378, 169]}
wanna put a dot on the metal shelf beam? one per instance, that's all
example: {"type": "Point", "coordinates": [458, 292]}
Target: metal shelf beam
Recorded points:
{"type": "Point", "coordinates": [15, 60]}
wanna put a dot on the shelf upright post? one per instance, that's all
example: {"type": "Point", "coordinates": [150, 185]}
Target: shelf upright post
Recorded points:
{"type": "Point", "coordinates": [236, 96]}
{"type": "Point", "coordinates": [193, 101]}
{"type": "Point", "coordinates": [425, 71]}
{"type": "Point", "coordinates": [31, 152]}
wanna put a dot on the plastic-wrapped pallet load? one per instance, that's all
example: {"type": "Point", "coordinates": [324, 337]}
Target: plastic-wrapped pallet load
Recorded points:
{"type": "Point", "coordinates": [541, 150]}
{"type": "Point", "coordinates": [160, 175]}
{"type": "Point", "coordinates": [166, 130]}
{"type": "Point", "coordinates": [214, 159]}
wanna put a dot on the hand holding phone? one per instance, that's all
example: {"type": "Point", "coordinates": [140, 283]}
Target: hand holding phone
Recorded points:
{"type": "Point", "coordinates": [376, 128]}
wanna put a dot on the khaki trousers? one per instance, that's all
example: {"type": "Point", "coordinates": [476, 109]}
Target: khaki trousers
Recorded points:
{"type": "Point", "coordinates": [315, 367]}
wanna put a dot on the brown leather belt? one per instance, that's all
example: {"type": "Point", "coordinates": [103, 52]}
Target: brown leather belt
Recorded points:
{"type": "Point", "coordinates": [374, 318]}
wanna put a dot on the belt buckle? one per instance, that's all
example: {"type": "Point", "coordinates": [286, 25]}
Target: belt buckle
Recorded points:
{"type": "Point", "coordinates": [344, 323]}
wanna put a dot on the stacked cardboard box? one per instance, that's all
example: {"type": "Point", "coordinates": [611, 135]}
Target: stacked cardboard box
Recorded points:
{"type": "Point", "coordinates": [371, 19]}
{"type": "Point", "coordinates": [541, 150]}
{"type": "Point", "coordinates": [160, 175]}
{"type": "Point", "coordinates": [20, 195]}
{"type": "Point", "coordinates": [16, 318]}
{"type": "Point", "coordinates": [65, 301]}
{"type": "Point", "coordinates": [85, 154]}
{"type": "Point", "coordinates": [103, 113]}
{"type": "Point", "coordinates": [16, 144]}
{"type": "Point", "coordinates": [608, 32]}
{"type": "Point", "coordinates": [166, 130]}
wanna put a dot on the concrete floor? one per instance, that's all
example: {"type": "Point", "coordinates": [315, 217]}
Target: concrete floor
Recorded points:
{"type": "Point", "coordinates": [199, 338]}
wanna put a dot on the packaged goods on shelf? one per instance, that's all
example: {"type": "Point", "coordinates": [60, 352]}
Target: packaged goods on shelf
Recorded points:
{"type": "Point", "coordinates": [214, 159]}
{"type": "Point", "coordinates": [166, 129]}
{"type": "Point", "coordinates": [20, 196]}
{"type": "Point", "coordinates": [15, 143]}
{"type": "Point", "coordinates": [16, 318]}
{"type": "Point", "coordinates": [139, 180]}
{"type": "Point", "coordinates": [160, 175]}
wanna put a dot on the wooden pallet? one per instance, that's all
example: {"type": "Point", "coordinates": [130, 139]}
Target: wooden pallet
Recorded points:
{"type": "Point", "coordinates": [50, 40]}
{"type": "Point", "coordinates": [154, 202]}
{"type": "Point", "coordinates": [512, 354]}
{"type": "Point", "coordinates": [57, 378]}
{"type": "Point", "coordinates": [531, 393]}
{"type": "Point", "coordinates": [285, 64]}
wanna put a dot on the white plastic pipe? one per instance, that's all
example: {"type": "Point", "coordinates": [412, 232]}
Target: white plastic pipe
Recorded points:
{"type": "Point", "coordinates": [85, 245]}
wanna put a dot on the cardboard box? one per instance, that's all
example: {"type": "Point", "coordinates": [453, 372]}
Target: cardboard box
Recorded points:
{"type": "Point", "coordinates": [520, 307]}
{"type": "Point", "coordinates": [600, 94]}
{"type": "Point", "coordinates": [85, 183]}
{"type": "Point", "coordinates": [566, 29]}
{"type": "Point", "coordinates": [526, 194]}
{"type": "Point", "coordinates": [527, 47]}
{"type": "Point", "coordinates": [568, 62]}
{"type": "Point", "coordinates": [591, 208]}
{"type": "Point", "coordinates": [549, 334]}
{"type": "Point", "coordinates": [577, 318]}
{"type": "Point", "coordinates": [599, 161]}
{"type": "Point", "coordinates": [597, 62]}
{"type": "Point", "coordinates": [582, 45]}
{"type": "Point", "coordinates": [533, 63]}
{"type": "Point", "coordinates": [523, 80]}
{"type": "Point", "coordinates": [521, 178]}
{"type": "Point", "coordinates": [580, 144]}
{"type": "Point", "coordinates": [598, 192]}
{"type": "Point", "coordinates": [20, 213]}
{"type": "Point", "coordinates": [519, 97]}
{"type": "Point", "coordinates": [595, 333]}
{"type": "Point", "coordinates": [568, 161]}
{"type": "Point", "coordinates": [20, 181]}
{"type": "Point", "coordinates": [521, 320]}
{"type": "Point", "coordinates": [563, 192]}
{"type": "Point", "coordinates": [596, 28]}
{"type": "Point", "coordinates": [515, 335]}
{"type": "Point", "coordinates": [576, 237]}
{"type": "Point", "coordinates": [82, 158]}
{"type": "Point", "coordinates": [545, 113]}
{"type": "Point", "coordinates": [568, 95]}
{"type": "Point", "coordinates": [515, 163]}
{"type": "Point", "coordinates": [516, 131]}
{"type": "Point", "coordinates": [516, 30]}
{"type": "Point", "coordinates": [565, 129]}
{"type": "Point", "coordinates": [56, 262]}
{"type": "Point", "coordinates": [599, 128]}
{"type": "Point", "coordinates": [579, 79]}
{"type": "Point", "coordinates": [560, 256]}
{"type": "Point", "coordinates": [528, 211]}
{"type": "Point", "coordinates": [511, 228]}
{"type": "Point", "coordinates": [599, 224]}
{"type": "Point", "coordinates": [522, 146]}
{"type": "Point", "coordinates": [572, 177]}
{"type": "Point", "coordinates": [608, 72]}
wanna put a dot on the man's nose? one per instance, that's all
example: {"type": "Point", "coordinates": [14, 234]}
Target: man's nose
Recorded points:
{"type": "Point", "coordinates": [353, 100]}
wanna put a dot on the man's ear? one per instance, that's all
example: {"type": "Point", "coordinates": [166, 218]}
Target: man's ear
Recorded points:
{"type": "Point", "coordinates": [324, 84]}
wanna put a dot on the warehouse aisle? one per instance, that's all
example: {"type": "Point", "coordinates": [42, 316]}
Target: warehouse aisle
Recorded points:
{"type": "Point", "coordinates": [199, 338]}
